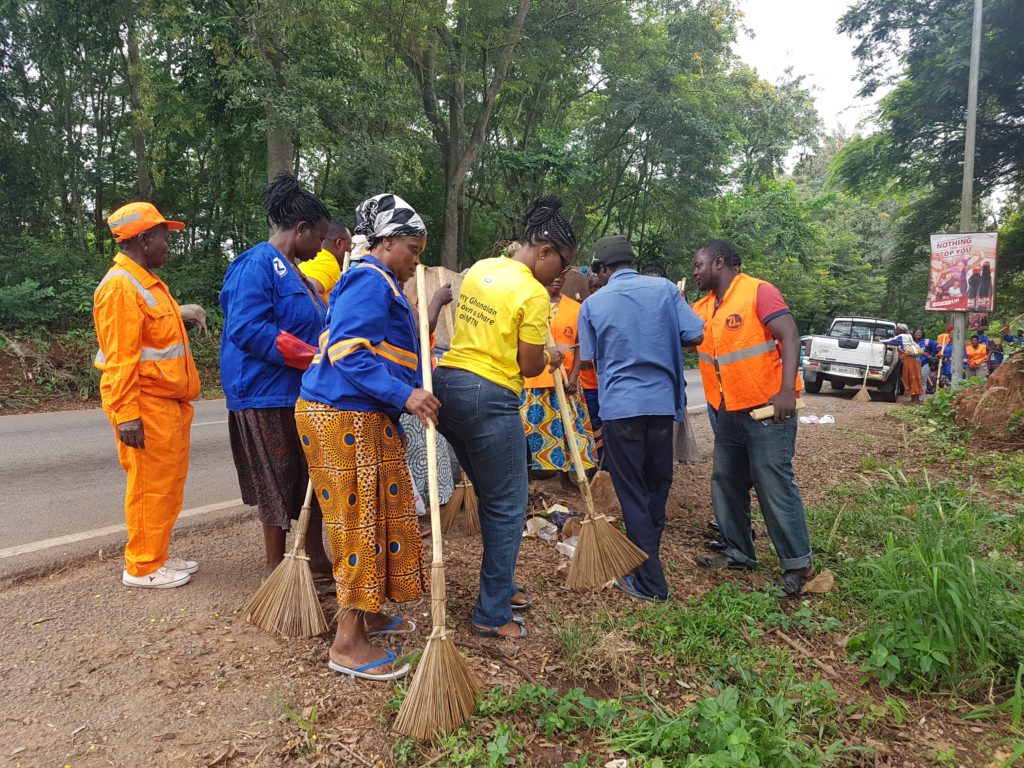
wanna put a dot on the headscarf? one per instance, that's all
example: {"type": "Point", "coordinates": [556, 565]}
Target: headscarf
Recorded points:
{"type": "Point", "coordinates": [387, 215]}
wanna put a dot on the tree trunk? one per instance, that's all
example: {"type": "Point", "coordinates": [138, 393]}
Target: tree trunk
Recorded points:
{"type": "Point", "coordinates": [280, 153]}
{"type": "Point", "coordinates": [135, 98]}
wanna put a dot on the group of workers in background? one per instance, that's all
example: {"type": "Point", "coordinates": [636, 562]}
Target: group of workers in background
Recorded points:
{"type": "Point", "coordinates": [322, 373]}
{"type": "Point", "coordinates": [982, 355]}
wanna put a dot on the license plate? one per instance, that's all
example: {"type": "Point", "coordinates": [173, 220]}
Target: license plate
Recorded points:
{"type": "Point", "coordinates": [845, 370]}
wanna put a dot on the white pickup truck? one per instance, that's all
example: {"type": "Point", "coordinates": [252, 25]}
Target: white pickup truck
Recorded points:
{"type": "Point", "coordinates": [851, 344]}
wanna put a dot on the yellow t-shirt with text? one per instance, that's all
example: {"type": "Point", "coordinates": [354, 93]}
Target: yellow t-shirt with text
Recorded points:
{"type": "Point", "coordinates": [500, 303]}
{"type": "Point", "coordinates": [323, 268]}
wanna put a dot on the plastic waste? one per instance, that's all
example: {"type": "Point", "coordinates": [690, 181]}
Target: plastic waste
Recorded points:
{"type": "Point", "coordinates": [828, 418]}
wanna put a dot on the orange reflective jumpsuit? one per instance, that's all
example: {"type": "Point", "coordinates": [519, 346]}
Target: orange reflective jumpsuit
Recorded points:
{"type": "Point", "coordinates": [148, 373]}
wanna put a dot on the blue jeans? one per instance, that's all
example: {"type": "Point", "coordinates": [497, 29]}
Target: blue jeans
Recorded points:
{"type": "Point", "coordinates": [481, 421]}
{"type": "Point", "coordinates": [594, 409]}
{"type": "Point", "coordinates": [639, 454]}
{"type": "Point", "coordinates": [759, 454]}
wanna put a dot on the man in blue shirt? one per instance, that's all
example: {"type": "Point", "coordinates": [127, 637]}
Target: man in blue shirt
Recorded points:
{"type": "Point", "coordinates": [633, 330]}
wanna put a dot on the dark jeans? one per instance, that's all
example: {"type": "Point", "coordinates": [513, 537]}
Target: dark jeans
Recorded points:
{"type": "Point", "coordinates": [594, 409]}
{"type": "Point", "coordinates": [481, 421]}
{"type": "Point", "coordinates": [759, 454]}
{"type": "Point", "coordinates": [638, 451]}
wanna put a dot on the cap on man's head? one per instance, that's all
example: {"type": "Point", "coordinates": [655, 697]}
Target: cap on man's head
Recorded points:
{"type": "Point", "coordinates": [135, 218]}
{"type": "Point", "coordinates": [613, 249]}
{"type": "Point", "coordinates": [949, 328]}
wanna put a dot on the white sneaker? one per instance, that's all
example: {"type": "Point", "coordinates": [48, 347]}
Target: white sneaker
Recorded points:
{"type": "Point", "coordinates": [163, 578]}
{"type": "Point", "coordinates": [177, 564]}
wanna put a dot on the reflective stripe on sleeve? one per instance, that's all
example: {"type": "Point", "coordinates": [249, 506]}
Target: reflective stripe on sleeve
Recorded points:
{"type": "Point", "coordinates": [148, 297]}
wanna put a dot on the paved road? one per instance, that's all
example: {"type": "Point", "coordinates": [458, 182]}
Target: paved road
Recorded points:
{"type": "Point", "coordinates": [59, 473]}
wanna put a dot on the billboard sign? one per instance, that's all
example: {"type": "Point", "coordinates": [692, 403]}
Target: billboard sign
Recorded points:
{"type": "Point", "coordinates": [963, 273]}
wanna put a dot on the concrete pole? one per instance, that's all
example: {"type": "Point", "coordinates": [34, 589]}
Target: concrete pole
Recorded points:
{"type": "Point", "coordinates": [967, 191]}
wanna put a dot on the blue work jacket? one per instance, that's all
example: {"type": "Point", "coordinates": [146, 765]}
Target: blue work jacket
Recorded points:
{"type": "Point", "coordinates": [369, 356]}
{"type": "Point", "coordinates": [263, 295]}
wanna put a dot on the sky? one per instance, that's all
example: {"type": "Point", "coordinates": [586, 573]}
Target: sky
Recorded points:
{"type": "Point", "coordinates": [802, 34]}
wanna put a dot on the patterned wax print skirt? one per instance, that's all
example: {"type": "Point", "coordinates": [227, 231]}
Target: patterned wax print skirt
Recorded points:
{"type": "Point", "coordinates": [269, 461]}
{"type": "Point", "coordinates": [545, 436]}
{"type": "Point", "coordinates": [357, 465]}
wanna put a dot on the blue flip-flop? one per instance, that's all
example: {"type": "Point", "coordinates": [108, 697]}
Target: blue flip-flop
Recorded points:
{"type": "Point", "coordinates": [627, 585]}
{"type": "Point", "coordinates": [362, 672]}
{"type": "Point", "coordinates": [390, 629]}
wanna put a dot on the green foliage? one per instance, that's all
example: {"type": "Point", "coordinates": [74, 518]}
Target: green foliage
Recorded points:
{"type": "Point", "coordinates": [944, 611]}
{"type": "Point", "coordinates": [935, 417]}
{"type": "Point", "coordinates": [780, 725]}
{"type": "Point", "coordinates": [712, 632]}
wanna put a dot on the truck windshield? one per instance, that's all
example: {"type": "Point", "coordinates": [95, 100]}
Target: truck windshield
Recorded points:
{"type": "Point", "coordinates": [862, 330]}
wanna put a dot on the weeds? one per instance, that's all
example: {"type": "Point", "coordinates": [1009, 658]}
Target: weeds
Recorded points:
{"type": "Point", "coordinates": [943, 613]}
{"type": "Point", "coordinates": [306, 742]}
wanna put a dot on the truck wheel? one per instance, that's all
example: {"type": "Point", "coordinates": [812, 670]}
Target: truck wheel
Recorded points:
{"type": "Point", "coordinates": [812, 387]}
{"type": "Point", "coordinates": [838, 384]}
{"type": "Point", "coordinates": [887, 392]}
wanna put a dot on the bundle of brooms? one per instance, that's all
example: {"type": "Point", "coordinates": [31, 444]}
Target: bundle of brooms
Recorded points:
{"type": "Point", "coordinates": [443, 692]}
{"type": "Point", "coordinates": [287, 603]}
{"type": "Point", "coordinates": [461, 509]}
{"type": "Point", "coordinates": [604, 552]}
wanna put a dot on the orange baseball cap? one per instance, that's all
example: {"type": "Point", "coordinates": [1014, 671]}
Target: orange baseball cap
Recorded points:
{"type": "Point", "coordinates": [135, 218]}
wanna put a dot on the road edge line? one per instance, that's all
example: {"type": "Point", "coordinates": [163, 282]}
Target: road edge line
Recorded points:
{"type": "Point", "coordinates": [95, 533]}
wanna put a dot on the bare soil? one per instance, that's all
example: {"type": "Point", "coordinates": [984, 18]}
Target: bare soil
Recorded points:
{"type": "Point", "coordinates": [94, 674]}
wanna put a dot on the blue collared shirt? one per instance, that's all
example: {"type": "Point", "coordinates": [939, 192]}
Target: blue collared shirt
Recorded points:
{"type": "Point", "coordinates": [634, 329]}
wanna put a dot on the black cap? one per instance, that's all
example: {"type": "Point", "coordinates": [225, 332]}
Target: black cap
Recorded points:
{"type": "Point", "coordinates": [613, 249]}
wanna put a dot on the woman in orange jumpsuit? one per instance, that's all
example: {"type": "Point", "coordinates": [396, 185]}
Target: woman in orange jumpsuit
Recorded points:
{"type": "Point", "coordinates": [148, 379]}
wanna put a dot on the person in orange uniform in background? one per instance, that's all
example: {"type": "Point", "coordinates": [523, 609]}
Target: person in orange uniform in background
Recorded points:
{"type": "Point", "coordinates": [148, 379]}
{"type": "Point", "coordinates": [977, 358]}
{"type": "Point", "coordinates": [588, 383]}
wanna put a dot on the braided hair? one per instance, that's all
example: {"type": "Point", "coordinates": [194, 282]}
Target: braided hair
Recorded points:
{"type": "Point", "coordinates": [723, 248]}
{"type": "Point", "coordinates": [287, 203]}
{"type": "Point", "coordinates": [544, 224]}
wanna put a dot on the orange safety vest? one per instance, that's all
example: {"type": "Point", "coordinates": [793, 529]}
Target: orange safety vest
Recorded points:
{"type": "Point", "coordinates": [943, 340]}
{"type": "Point", "coordinates": [143, 346]}
{"type": "Point", "coordinates": [564, 329]}
{"type": "Point", "coordinates": [739, 358]}
{"type": "Point", "coordinates": [977, 356]}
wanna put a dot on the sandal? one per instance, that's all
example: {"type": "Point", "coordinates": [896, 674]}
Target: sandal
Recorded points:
{"type": "Point", "coordinates": [492, 632]}
{"type": "Point", "coordinates": [392, 628]}
{"type": "Point", "coordinates": [363, 671]}
{"type": "Point", "coordinates": [525, 593]}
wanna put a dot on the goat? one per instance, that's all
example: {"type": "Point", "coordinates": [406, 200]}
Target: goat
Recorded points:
{"type": "Point", "coordinates": [195, 315]}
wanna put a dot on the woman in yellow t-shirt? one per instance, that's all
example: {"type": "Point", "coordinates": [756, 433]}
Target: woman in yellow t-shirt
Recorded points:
{"type": "Point", "coordinates": [501, 327]}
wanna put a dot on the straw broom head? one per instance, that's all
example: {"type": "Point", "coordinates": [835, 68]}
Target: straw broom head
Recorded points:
{"type": "Point", "coordinates": [862, 395]}
{"type": "Point", "coordinates": [470, 515]}
{"type": "Point", "coordinates": [450, 511]}
{"type": "Point", "coordinates": [443, 691]}
{"type": "Point", "coordinates": [287, 603]}
{"type": "Point", "coordinates": [603, 553]}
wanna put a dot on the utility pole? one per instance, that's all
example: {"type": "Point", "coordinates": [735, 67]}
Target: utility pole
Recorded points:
{"type": "Point", "coordinates": [967, 191]}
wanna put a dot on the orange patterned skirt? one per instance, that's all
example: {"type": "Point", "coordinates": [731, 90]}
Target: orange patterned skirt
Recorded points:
{"type": "Point", "coordinates": [357, 465]}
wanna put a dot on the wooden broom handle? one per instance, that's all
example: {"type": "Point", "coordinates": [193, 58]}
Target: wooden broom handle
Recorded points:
{"type": "Point", "coordinates": [428, 384]}
{"type": "Point", "coordinates": [569, 430]}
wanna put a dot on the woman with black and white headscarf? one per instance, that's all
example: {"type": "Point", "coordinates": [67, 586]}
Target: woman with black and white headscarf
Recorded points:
{"type": "Point", "coordinates": [364, 376]}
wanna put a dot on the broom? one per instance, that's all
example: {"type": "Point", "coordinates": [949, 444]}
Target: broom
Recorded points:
{"type": "Point", "coordinates": [604, 552]}
{"type": "Point", "coordinates": [443, 690]}
{"type": "Point", "coordinates": [862, 395]}
{"type": "Point", "coordinates": [287, 602]}
{"type": "Point", "coordinates": [450, 511]}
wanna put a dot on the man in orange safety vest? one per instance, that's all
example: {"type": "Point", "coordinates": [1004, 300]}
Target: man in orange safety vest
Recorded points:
{"type": "Point", "coordinates": [148, 379]}
{"type": "Point", "coordinates": [749, 358]}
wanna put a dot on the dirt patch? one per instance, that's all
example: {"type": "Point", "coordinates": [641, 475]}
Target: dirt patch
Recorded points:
{"type": "Point", "coordinates": [93, 674]}
{"type": "Point", "coordinates": [994, 411]}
